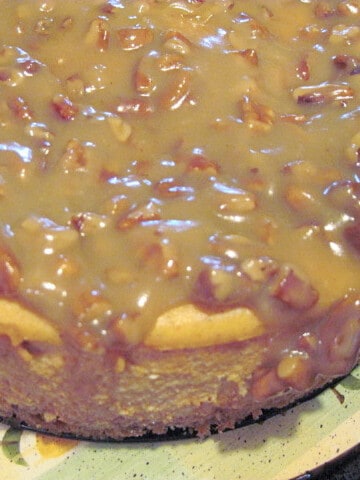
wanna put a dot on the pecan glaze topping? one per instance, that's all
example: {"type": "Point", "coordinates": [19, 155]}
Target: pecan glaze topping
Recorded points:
{"type": "Point", "coordinates": [156, 154]}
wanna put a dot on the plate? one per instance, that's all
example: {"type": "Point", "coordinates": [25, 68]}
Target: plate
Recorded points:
{"type": "Point", "coordinates": [282, 447]}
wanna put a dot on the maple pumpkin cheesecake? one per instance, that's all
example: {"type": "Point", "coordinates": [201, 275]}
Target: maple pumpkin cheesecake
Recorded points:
{"type": "Point", "coordinates": [179, 210]}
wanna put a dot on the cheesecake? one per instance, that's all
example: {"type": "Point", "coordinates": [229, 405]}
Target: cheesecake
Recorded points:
{"type": "Point", "coordinates": [179, 210]}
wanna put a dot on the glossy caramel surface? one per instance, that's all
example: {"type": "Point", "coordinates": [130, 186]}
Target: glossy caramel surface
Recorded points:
{"type": "Point", "coordinates": [155, 154]}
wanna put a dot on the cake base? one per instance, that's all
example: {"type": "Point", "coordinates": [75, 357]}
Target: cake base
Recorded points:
{"type": "Point", "coordinates": [175, 433]}
{"type": "Point", "coordinates": [160, 395]}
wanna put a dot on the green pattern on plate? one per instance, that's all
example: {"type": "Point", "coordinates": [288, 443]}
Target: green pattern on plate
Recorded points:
{"type": "Point", "coordinates": [10, 446]}
{"type": "Point", "coordinates": [351, 382]}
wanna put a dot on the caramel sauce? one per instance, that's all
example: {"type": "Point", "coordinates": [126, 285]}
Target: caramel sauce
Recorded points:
{"type": "Point", "coordinates": [155, 154]}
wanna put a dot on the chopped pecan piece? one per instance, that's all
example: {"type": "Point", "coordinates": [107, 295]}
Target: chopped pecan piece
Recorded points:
{"type": "Point", "coordinates": [352, 235]}
{"type": "Point", "coordinates": [340, 333]}
{"type": "Point", "coordinates": [323, 9]}
{"type": "Point", "coordinates": [200, 163]}
{"type": "Point", "coordinates": [313, 32]}
{"type": "Point", "coordinates": [64, 107]}
{"type": "Point", "coordinates": [146, 72]}
{"type": "Point", "coordinates": [265, 384]}
{"type": "Point", "coordinates": [256, 116]}
{"type": "Point", "coordinates": [90, 305]}
{"type": "Point", "coordinates": [11, 76]}
{"type": "Point", "coordinates": [177, 42]}
{"type": "Point", "coordinates": [116, 205]}
{"type": "Point", "coordinates": [86, 340]}
{"type": "Point", "coordinates": [20, 108]}
{"type": "Point", "coordinates": [177, 92]}
{"type": "Point", "coordinates": [108, 8]}
{"type": "Point", "coordinates": [323, 93]}
{"type": "Point", "coordinates": [353, 151]}
{"type": "Point", "coordinates": [98, 34]}
{"type": "Point", "coordinates": [303, 70]}
{"type": "Point", "coordinates": [296, 371]}
{"type": "Point", "coordinates": [345, 195]}
{"type": "Point", "coordinates": [250, 55]}
{"type": "Point", "coordinates": [229, 246]}
{"type": "Point", "coordinates": [260, 269]}
{"type": "Point", "coordinates": [348, 7]}
{"type": "Point", "coordinates": [5, 75]}
{"type": "Point", "coordinates": [170, 61]}
{"type": "Point", "coordinates": [163, 256]}
{"type": "Point", "coordinates": [344, 34]}
{"type": "Point", "coordinates": [40, 132]}
{"type": "Point", "coordinates": [219, 289]}
{"type": "Point", "coordinates": [258, 30]}
{"type": "Point", "coordinates": [121, 129]}
{"type": "Point", "coordinates": [10, 274]}
{"type": "Point", "coordinates": [143, 83]}
{"type": "Point", "coordinates": [236, 202]}
{"type": "Point", "coordinates": [67, 267]}
{"type": "Point", "coordinates": [304, 171]}
{"type": "Point", "coordinates": [171, 188]}
{"type": "Point", "coordinates": [298, 198]}
{"type": "Point", "coordinates": [348, 63]}
{"type": "Point", "coordinates": [308, 342]}
{"type": "Point", "coordinates": [88, 222]}
{"type": "Point", "coordinates": [30, 66]}
{"type": "Point", "coordinates": [75, 157]}
{"type": "Point", "coordinates": [134, 38]}
{"type": "Point", "coordinates": [67, 23]}
{"type": "Point", "coordinates": [135, 106]}
{"type": "Point", "coordinates": [75, 85]}
{"type": "Point", "coordinates": [294, 290]}
{"type": "Point", "coordinates": [52, 237]}
{"type": "Point", "coordinates": [144, 213]}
